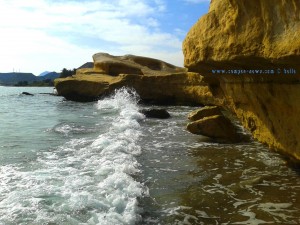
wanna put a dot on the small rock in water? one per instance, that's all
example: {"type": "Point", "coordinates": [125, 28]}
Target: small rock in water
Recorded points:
{"type": "Point", "coordinates": [156, 113]}
{"type": "Point", "coordinates": [26, 93]}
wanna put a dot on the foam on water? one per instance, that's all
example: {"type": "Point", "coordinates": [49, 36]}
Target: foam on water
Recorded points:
{"type": "Point", "coordinates": [85, 181]}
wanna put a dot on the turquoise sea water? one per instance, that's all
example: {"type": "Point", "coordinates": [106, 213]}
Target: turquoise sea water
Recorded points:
{"type": "Point", "coordinates": [63, 162]}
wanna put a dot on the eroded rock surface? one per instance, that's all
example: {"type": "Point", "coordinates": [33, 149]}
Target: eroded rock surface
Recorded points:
{"type": "Point", "coordinates": [253, 35]}
{"type": "Point", "coordinates": [154, 80]}
{"type": "Point", "coordinates": [132, 64]}
{"type": "Point", "coordinates": [243, 34]}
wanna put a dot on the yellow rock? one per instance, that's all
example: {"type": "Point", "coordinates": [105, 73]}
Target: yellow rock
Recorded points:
{"type": "Point", "coordinates": [269, 108]}
{"type": "Point", "coordinates": [216, 126]}
{"type": "Point", "coordinates": [154, 80]}
{"type": "Point", "coordinates": [204, 112]}
{"type": "Point", "coordinates": [256, 35]}
{"type": "Point", "coordinates": [131, 64]}
{"type": "Point", "coordinates": [84, 87]}
{"type": "Point", "coordinates": [240, 34]}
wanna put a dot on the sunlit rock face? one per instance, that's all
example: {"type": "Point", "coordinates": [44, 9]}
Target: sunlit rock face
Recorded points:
{"type": "Point", "coordinates": [243, 34]}
{"type": "Point", "coordinates": [154, 80]}
{"type": "Point", "coordinates": [210, 121]}
{"type": "Point", "coordinates": [257, 45]}
{"type": "Point", "coordinates": [132, 64]}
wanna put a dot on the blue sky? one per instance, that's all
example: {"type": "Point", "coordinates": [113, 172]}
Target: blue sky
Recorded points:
{"type": "Point", "coordinates": [39, 35]}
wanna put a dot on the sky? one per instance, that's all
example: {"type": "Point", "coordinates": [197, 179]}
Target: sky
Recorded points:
{"type": "Point", "coordinates": [49, 35]}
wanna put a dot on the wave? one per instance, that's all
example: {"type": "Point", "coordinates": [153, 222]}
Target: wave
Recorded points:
{"type": "Point", "coordinates": [85, 181]}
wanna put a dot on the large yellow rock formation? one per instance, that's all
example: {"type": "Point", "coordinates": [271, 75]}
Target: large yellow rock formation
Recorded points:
{"type": "Point", "coordinates": [154, 80]}
{"type": "Point", "coordinates": [262, 36]}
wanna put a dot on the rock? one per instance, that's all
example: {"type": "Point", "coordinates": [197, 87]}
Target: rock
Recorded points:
{"type": "Point", "coordinates": [270, 109]}
{"type": "Point", "coordinates": [156, 113]}
{"type": "Point", "coordinates": [217, 127]}
{"type": "Point", "coordinates": [83, 88]}
{"type": "Point", "coordinates": [26, 93]}
{"type": "Point", "coordinates": [160, 83]}
{"type": "Point", "coordinates": [256, 34]}
{"type": "Point", "coordinates": [131, 64]}
{"type": "Point", "coordinates": [204, 112]}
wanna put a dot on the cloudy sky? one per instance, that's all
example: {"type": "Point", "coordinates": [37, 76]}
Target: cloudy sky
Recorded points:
{"type": "Point", "coordinates": [40, 35]}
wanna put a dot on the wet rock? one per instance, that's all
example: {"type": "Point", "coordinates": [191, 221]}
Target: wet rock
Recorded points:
{"type": "Point", "coordinates": [27, 93]}
{"type": "Point", "coordinates": [156, 113]}
{"type": "Point", "coordinates": [217, 127]}
{"type": "Point", "coordinates": [204, 112]}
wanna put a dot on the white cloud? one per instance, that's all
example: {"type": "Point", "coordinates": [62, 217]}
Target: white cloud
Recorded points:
{"type": "Point", "coordinates": [38, 35]}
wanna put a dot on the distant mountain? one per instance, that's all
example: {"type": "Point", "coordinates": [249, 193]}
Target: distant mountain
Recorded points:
{"type": "Point", "coordinates": [49, 75]}
{"type": "Point", "coordinates": [44, 73]}
{"type": "Point", "coordinates": [87, 65]}
{"type": "Point", "coordinates": [11, 79]}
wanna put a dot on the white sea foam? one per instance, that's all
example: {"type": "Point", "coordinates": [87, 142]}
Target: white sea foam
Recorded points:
{"type": "Point", "coordinates": [85, 181]}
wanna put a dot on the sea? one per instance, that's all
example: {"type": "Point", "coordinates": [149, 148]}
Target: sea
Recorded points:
{"type": "Point", "coordinates": [103, 162]}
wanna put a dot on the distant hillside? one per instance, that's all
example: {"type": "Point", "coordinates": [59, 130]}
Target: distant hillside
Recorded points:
{"type": "Point", "coordinates": [14, 78]}
{"type": "Point", "coordinates": [49, 75]}
{"type": "Point", "coordinates": [11, 79]}
{"type": "Point", "coordinates": [87, 65]}
{"type": "Point", "coordinates": [44, 73]}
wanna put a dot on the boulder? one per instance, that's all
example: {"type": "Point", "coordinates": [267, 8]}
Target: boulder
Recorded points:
{"type": "Point", "coordinates": [251, 35]}
{"type": "Point", "coordinates": [204, 112]}
{"type": "Point", "coordinates": [217, 127]}
{"type": "Point", "coordinates": [156, 113]}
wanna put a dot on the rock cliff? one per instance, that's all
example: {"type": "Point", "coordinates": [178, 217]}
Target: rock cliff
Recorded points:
{"type": "Point", "coordinates": [255, 46]}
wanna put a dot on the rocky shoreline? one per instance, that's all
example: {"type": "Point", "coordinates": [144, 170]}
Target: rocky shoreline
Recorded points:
{"type": "Point", "coordinates": [246, 63]}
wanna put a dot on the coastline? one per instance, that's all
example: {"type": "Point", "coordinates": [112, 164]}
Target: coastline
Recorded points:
{"type": "Point", "coordinates": [69, 149]}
